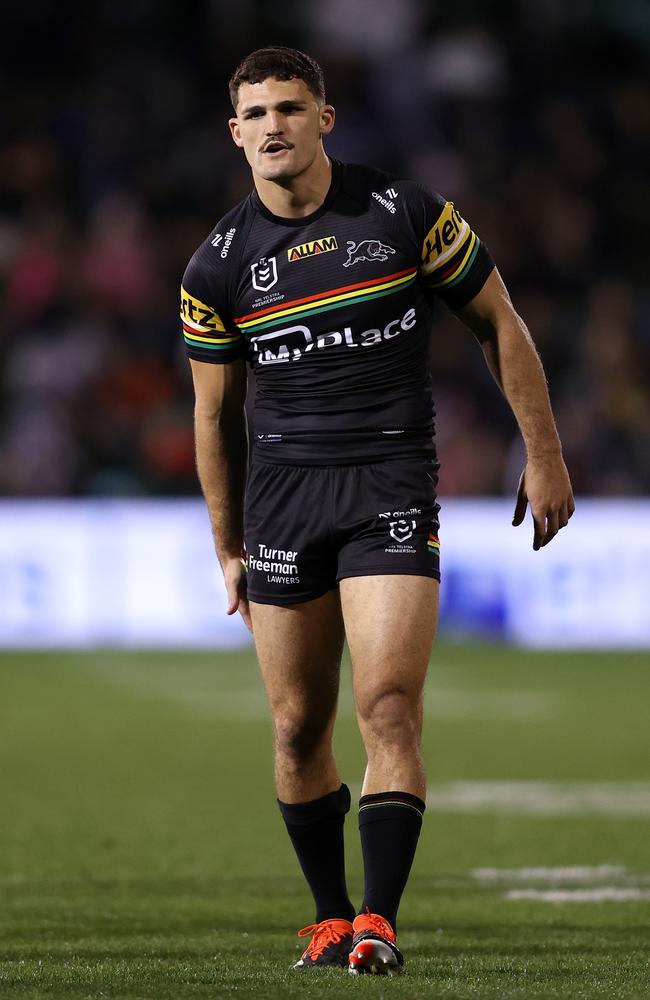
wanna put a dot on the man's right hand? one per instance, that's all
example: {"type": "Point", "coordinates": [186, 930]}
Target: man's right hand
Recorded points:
{"type": "Point", "coordinates": [234, 575]}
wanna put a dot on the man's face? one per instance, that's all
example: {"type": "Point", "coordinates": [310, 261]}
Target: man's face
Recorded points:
{"type": "Point", "coordinates": [279, 124]}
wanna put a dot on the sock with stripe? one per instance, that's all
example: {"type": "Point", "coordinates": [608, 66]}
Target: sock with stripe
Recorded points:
{"type": "Point", "coordinates": [389, 823]}
{"type": "Point", "coordinates": [316, 831]}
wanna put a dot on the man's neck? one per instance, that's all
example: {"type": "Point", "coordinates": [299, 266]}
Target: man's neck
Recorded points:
{"type": "Point", "coordinates": [299, 196]}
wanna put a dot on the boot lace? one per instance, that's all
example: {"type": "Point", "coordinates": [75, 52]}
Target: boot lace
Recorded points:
{"type": "Point", "coordinates": [326, 933]}
{"type": "Point", "coordinates": [378, 925]}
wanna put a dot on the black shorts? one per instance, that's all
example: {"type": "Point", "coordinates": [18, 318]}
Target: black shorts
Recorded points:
{"type": "Point", "coordinates": [307, 527]}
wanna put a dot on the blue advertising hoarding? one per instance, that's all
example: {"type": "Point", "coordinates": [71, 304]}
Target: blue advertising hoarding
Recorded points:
{"type": "Point", "coordinates": [144, 573]}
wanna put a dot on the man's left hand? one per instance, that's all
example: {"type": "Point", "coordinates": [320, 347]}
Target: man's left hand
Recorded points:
{"type": "Point", "coordinates": [545, 485]}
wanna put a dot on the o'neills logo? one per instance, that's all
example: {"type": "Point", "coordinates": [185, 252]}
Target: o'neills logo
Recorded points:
{"type": "Point", "coordinates": [323, 245]}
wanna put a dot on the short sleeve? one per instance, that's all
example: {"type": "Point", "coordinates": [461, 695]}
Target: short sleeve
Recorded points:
{"type": "Point", "coordinates": [455, 264]}
{"type": "Point", "coordinates": [208, 334]}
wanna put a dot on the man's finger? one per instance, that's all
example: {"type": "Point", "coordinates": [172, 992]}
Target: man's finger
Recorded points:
{"type": "Point", "coordinates": [563, 516]}
{"type": "Point", "coordinates": [521, 504]}
{"type": "Point", "coordinates": [540, 530]}
{"type": "Point", "coordinates": [245, 612]}
{"type": "Point", "coordinates": [552, 526]}
{"type": "Point", "coordinates": [233, 591]}
{"type": "Point", "coordinates": [571, 505]}
{"type": "Point", "coordinates": [233, 598]}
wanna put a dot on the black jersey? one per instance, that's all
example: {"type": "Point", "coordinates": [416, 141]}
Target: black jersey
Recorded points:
{"type": "Point", "coordinates": [333, 312]}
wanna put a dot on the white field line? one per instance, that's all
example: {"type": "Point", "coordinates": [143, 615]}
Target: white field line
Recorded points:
{"type": "Point", "coordinates": [542, 798]}
{"type": "Point", "coordinates": [631, 886]}
{"type": "Point", "coordinates": [603, 894]}
{"type": "Point", "coordinates": [568, 873]}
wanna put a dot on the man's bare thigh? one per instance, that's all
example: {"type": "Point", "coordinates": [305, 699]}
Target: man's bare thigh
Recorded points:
{"type": "Point", "coordinates": [299, 650]}
{"type": "Point", "coordinates": [390, 623]}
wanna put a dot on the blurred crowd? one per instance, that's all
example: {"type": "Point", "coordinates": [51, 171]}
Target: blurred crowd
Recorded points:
{"type": "Point", "coordinates": [115, 163]}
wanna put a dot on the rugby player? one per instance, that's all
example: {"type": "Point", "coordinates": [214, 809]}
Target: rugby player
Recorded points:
{"type": "Point", "coordinates": [322, 281]}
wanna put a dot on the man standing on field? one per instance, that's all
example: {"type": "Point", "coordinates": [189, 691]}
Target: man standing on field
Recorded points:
{"type": "Point", "coordinates": [323, 281]}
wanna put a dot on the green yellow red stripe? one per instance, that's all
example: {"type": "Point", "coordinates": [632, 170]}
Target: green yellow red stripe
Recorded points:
{"type": "Point", "coordinates": [318, 295]}
{"type": "Point", "coordinates": [458, 272]}
{"type": "Point", "coordinates": [467, 263]}
{"type": "Point", "coordinates": [324, 301]}
{"type": "Point", "coordinates": [389, 802]}
{"type": "Point", "coordinates": [192, 334]}
{"type": "Point", "coordinates": [433, 543]}
{"type": "Point", "coordinates": [210, 343]}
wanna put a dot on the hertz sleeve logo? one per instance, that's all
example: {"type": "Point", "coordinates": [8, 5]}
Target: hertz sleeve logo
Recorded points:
{"type": "Point", "coordinates": [449, 250]}
{"type": "Point", "coordinates": [445, 238]}
{"type": "Point", "coordinates": [197, 315]}
{"type": "Point", "coordinates": [323, 245]}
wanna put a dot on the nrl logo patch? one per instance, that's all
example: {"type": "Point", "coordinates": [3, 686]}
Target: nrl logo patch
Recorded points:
{"type": "Point", "coordinates": [401, 530]}
{"type": "Point", "coordinates": [264, 274]}
{"type": "Point", "coordinates": [322, 245]}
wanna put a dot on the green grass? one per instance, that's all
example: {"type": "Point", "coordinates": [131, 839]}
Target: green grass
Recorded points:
{"type": "Point", "coordinates": [142, 854]}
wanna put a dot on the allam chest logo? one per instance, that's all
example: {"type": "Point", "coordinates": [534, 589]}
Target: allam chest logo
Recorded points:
{"type": "Point", "coordinates": [264, 274]}
{"type": "Point", "coordinates": [311, 249]}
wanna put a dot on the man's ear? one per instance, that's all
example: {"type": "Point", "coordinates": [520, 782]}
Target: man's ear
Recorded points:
{"type": "Point", "coordinates": [327, 117]}
{"type": "Point", "coordinates": [233, 125]}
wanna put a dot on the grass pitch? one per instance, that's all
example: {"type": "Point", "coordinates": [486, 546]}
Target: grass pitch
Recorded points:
{"type": "Point", "coordinates": [142, 854]}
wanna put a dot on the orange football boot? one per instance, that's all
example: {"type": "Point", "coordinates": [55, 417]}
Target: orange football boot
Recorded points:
{"type": "Point", "coordinates": [330, 944]}
{"type": "Point", "coordinates": [374, 950]}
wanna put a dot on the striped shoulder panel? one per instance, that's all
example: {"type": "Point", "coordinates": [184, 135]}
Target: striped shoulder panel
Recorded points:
{"type": "Point", "coordinates": [449, 249]}
{"type": "Point", "coordinates": [202, 326]}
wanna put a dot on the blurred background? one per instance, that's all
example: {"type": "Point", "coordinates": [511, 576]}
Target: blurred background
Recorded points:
{"type": "Point", "coordinates": [115, 163]}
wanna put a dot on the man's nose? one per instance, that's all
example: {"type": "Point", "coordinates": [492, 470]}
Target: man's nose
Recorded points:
{"type": "Point", "coordinates": [273, 125]}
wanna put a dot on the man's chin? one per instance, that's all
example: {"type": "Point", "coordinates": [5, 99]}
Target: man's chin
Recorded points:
{"type": "Point", "coordinates": [278, 171]}
{"type": "Point", "coordinates": [280, 174]}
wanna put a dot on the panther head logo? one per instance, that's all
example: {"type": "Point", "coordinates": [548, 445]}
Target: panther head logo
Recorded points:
{"type": "Point", "coordinates": [367, 250]}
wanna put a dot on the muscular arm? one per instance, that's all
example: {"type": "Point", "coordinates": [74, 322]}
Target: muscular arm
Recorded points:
{"type": "Point", "coordinates": [511, 357]}
{"type": "Point", "coordinates": [221, 459]}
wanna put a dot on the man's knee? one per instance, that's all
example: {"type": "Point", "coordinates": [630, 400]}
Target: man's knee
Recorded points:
{"type": "Point", "coordinates": [298, 737]}
{"type": "Point", "coordinates": [390, 715]}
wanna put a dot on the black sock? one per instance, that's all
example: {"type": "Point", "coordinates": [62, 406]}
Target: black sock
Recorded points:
{"type": "Point", "coordinates": [316, 831]}
{"type": "Point", "coordinates": [389, 823]}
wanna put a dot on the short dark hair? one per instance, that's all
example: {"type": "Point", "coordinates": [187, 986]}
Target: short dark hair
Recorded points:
{"type": "Point", "coordinates": [280, 62]}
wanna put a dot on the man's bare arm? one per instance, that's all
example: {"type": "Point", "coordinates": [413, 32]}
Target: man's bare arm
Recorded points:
{"type": "Point", "coordinates": [511, 357]}
{"type": "Point", "coordinates": [221, 460]}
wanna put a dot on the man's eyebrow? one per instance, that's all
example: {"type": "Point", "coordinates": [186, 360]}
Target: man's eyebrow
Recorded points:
{"type": "Point", "coordinates": [280, 106]}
